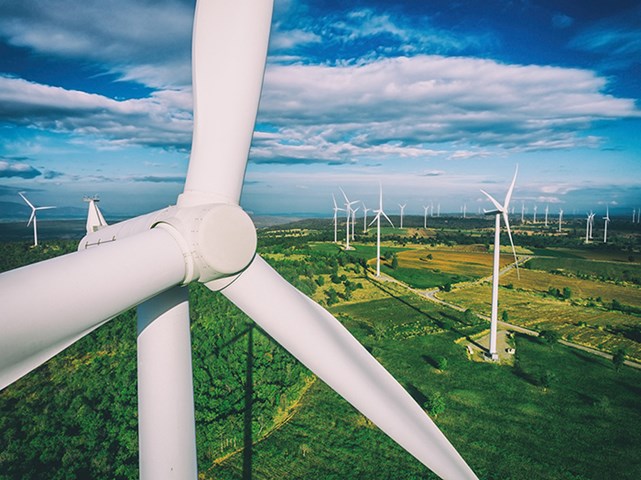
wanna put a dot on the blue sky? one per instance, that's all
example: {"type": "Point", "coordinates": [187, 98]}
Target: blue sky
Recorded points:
{"type": "Point", "coordinates": [435, 99]}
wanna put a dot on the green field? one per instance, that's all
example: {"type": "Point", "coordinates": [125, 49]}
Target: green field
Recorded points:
{"type": "Point", "coordinates": [504, 423]}
{"type": "Point", "coordinates": [600, 270]}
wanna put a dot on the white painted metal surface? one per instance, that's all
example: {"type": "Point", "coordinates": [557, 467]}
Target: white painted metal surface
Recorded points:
{"type": "Point", "coordinates": [166, 426]}
{"type": "Point", "coordinates": [47, 306]}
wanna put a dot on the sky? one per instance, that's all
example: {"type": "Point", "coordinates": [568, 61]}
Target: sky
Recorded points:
{"type": "Point", "coordinates": [434, 99]}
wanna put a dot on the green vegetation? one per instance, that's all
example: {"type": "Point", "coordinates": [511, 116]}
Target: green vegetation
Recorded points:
{"type": "Point", "coordinates": [557, 413]}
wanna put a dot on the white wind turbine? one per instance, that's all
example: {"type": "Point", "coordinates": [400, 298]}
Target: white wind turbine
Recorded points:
{"type": "Point", "coordinates": [535, 209]}
{"type": "Point", "coordinates": [605, 226]}
{"type": "Point", "coordinates": [354, 210]}
{"type": "Point", "coordinates": [336, 210]}
{"type": "Point", "coordinates": [634, 213]}
{"type": "Point", "coordinates": [425, 216]}
{"type": "Point", "coordinates": [95, 220]}
{"type": "Point", "coordinates": [592, 214]}
{"type": "Point", "coordinates": [522, 212]}
{"type": "Point", "coordinates": [438, 210]}
{"type": "Point", "coordinates": [560, 218]}
{"type": "Point", "coordinates": [33, 218]}
{"type": "Point", "coordinates": [402, 210]}
{"type": "Point", "coordinates": [365, 210]}
{"type": "Point", "coordinates": [377, 219]}
{"type": "Point", "coordinates": [587, 227]}
{"type": "Point", "coordinates": [500, 210]}
{"type": "Point", "coordinates": [205, 237]}
{"type": "Point", "coordinates": [547, 208]}
{"type": "Point", "coordinates": [348, 213]}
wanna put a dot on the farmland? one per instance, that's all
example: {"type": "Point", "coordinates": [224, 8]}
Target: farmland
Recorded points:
{"type": "Point", "coordinates": [555, 413]}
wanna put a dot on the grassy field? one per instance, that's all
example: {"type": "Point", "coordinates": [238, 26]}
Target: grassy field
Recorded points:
{"type": "Point", "coordinates": [602, 270]}
{"type": "Point", "coordinates": [539, 281]}
{"type": "Point", "coordinates": [584, 425]}
{"type": "Point", "coordinates": [603, 329]}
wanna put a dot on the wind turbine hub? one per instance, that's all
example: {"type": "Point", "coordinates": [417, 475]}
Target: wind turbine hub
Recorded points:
{"type": "Point", "coordinates": [219, 240]}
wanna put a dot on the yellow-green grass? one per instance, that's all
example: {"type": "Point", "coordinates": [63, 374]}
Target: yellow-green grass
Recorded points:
{"type": "Point", "coordinates": [539, 281]}
{"type": "Point", "coordinates": [606, 255]}
{"type": "Point", "coordinates": [468, 263]}
{"type": "Point", "coordinates": [605, 330]}
{"type": "Point", "coordinates": [581, 267]}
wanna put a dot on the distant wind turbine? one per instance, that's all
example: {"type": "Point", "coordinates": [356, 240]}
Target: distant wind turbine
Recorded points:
{"type": "Point", "coordinates": [560, 218]}
{"type": "Point", "coordinates": [591, 223]}
{"type": "Point", "coordinates": [425, 216]}
{"type": "Point", "coordinates": [500, 210]}
{"type": "Point", "coordinates": [33, 218]}
{"type": "Point", "coordinates": [547, 208]}
{"type": "Point", "coordinates": [377, 219]}
{"type": "Point", "coordinates": [522, 212]}
{"type": "Point", "coordinates": [634, 211]}
{"type": "Point", "coordinates": [354, 210]}
{"type": "Point", "coordinates": [438, 210]}
{"type": "Point", "coordinates": [365, 210]}
{"type": "Point", "coordinates": [402, 210]}
{"type": "Point", "coordinates": [534, 218]}
{"type": "Point", "coordinates": [587, 227]}
{"type": "Point", "coordinates": [336, 210]}
{"type": "Point", "coordinates": [348, 213]}
{"type": "Point", "coordinates": [605, 228]}
{"type": "Point", "coordinates": [464, 209]}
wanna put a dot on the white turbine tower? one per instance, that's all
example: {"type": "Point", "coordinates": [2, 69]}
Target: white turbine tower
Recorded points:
{"type": "Point", "coordinates": [348, 213]}
{"type": "Point", "coordinates": [354, 210]}
{"type": "Point", "coordinates": [431, 209]}
{"type": "Point", "coordinates": [208, 238]}
{"type": "Point", "coordinates": [547, 208]}
{"type": "Point", "coordinates": [592, 214]}
{"type": "Point", "coordinates": [33, 218]}
{"type": "Point", "coordinates": [95, 220]}
{"type": "Point", "coordinates": [336, 210]}
{"type": "Point", "coordinates": [377, 219]}
{"type": "Point", "coordinates": [500, 210]}
{"type": "Point", "coordinates": [438, 210]}
{"type": "Point", "coordinates": [464, 210]}
{"type": "Point", "coordinates": [605, 226]}
{"type": "Point", "coordinates": [402, 210]}
{"type": "Point", "coordinates": [560, 218]}
{"type": "Point", "coordinates": [587, 227]}
{"type": "Point", "coordinates": [365, 210]}
{"type": "Point", "coordinates": [535, 209]}
{"type": "Point", "coordinates": [425, 216]}
{"type": "Point", "coordinates": [634, 212]}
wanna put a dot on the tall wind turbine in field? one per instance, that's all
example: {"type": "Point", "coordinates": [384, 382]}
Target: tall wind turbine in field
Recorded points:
{"type": "Point", "coordinates": [498, 212]}
{"type": "Point", "coordinates": [377, 219]}
{"type": "Point", "coordinates": [535, 209]}
{"type": "Point", "coordinates": [605, 224]}
{"type": "Point", "coordinates": [354, 210]}
{"type": "Point", "coordinates": [33, 218]}
{"type": "Point", "coordinates": [365, 210]}
{"type": "Point", "coordinates": [402, 210]}
{"type": "Point", "coordinates": [425, 216]}
{"type": "Point", "coordinates": [336, 210]}
{"type": "Point", "coordinates": [208, 238]}
{"type": "Point", "coordinates": [547, 209]}
{"type": "Point", "coordinates": [560, 218]}
{"type": "Point", "coordinates": [348, 213]}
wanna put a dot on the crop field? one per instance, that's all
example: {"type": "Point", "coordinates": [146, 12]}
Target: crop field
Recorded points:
{"type": "Point", "coordinates": [602, 270]}
{"type": "Point", "coordinates": [591, 253]}
{"type": "Point", "coordinates": [538, 281]}
{"type": "Point", "coordinates": [603, 329]}
{"type": "Point", "coordinates": [469, 264]}
{"type": "Point", "coordinates": [583, 425]}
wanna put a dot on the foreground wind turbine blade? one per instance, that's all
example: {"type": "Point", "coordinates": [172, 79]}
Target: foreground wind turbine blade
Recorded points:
{"type": "Point", "coordinates": [322, 344]}
{"type": "Point", "coordinates": [166, 427]}
{"type": "Point", "coordinates": [229, 51]}
{"type": "Point", "coordinates": [69, 296]}
{"type": "Point", "coordinates": [509, 192]}
{"type": "Point", "coordinates": [33, 214]}
{"type": "Point", "coordinates": [509, 234]}
{"type": "Point", "coordinates": [496, 204]}
{"type": "Point", "coordinates": [25, 199]}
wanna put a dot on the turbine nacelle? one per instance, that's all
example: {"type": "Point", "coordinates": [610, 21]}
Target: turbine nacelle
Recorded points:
{"type": "Point", "coordinates": [217, 240]}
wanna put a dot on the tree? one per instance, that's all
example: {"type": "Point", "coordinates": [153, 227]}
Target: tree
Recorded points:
{"type": "Point", "coordinates": [394, 262]}
{"type": "Point", "coordinates": [442, 363]}
{"type": "Point", "coordinates": [546, 379]}
{"type": "Point", "coordinates": [435, 404]}
{"type": "Point", "coordinates": [567, 292]}
{"type": "Point", "coordinates": [549, 336]}
{"type": "Point", "coordinates": [618, 358]}
{"type": "Point", "coordinates": [505, 316]}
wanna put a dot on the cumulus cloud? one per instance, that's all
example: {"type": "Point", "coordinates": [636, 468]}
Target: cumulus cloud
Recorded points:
{"type": "Point", "coordinates": [147, 41]}
{"type": "Point", "coordinates": [17, 169]}
{"type": "Point", "coordinates": [161, 120]}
